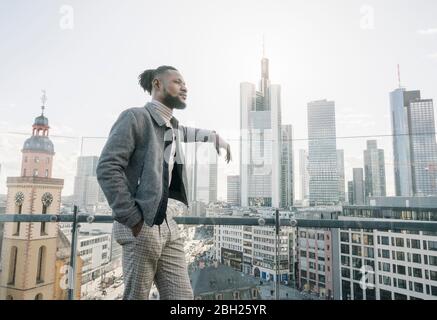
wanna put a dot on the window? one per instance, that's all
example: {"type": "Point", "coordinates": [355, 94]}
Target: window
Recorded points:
{"type": "Point", "coordinates": [236, 295]}
{"type": "Point", "coordinates": [368, 240]}
{"type": "Point", "coordinates": [417, 258]}
{"type": "Point", "coordinates": [399, 242]}
{"type": "Point", "coordinates": [399, 296]}
{"type": "Point", "coordinates": [400, 255]}
{"type": "Point", "coordinates": [432, 260]}
{"type": "Point", "coordinates": [433, 290]}
{"type": "Point", "coordinates": [345, 273]}
{"type": "Point", "coordinates": [12, 265]}
{"type": "Point", "coordinates": [219, 296]}
{"type": "Point", "coordinates": [385, 295]}
{"type": "Point", "coordinates": [357, 263]}
{"type": "Point", "coordinates": [386, 267]}
{"type": "Point", "coordinates": [47, 173]}
{"type": "Point", "coordinates": [358, 275]}
{"type": "Point", "coordinates": [344, 236]}
{"type": "Point", "coordinates": [368, 252]}
{"type": "Point", "coordinates": [38, 296]}
{"type": "Point", "coordinates": [17, 225]}
{"type": "Point", "coordinates": [415, 244]}
{"type": "Point", "coordinates": [417, 273]}
{"type": "Point", "coordinates": [41, 265]}
{"type": "Point", "coordinates": [433, 275]}
{"type": "Point", "coordinates": [401, 269]}
{"type": "Point", "coordinates": [320, 236]}
{"type": "Point", "coordinates": [345, 261]}
{"type": "Point", "coordinates": [385, 241]}
{"type": "Point", "coordinates": [356, 251]}
{"type": "Point", "coordinates": [35, 172]}
{"type": "Point", "coordinates": [36, 159]}
{"type": "Point", "coordinates": [386, 280]}
{"type": "Point", "coordinates": [356, 238]}
{"type": "Point", "coordinates": [418, 287]}
{"type": "Point", "coordinates": [402, 284]}
{"type": "Point", "coordinates": [43, 224]}
{"type": "Point", "coordinates": [386, 254]}
{"type": "Point", "coordinates": [432, 245]}
{"type": "Point", "coordinates": [345, 248]}
{"type": "Point", "coordinates": [254, 293]}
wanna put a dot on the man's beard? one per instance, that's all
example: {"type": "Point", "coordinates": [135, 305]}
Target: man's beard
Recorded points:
{"type": "Point", "coordinates": [173, 102]}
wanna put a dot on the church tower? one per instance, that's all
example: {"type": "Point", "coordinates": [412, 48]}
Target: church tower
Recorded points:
{"type": "Point", "coordinates": [29, 248]}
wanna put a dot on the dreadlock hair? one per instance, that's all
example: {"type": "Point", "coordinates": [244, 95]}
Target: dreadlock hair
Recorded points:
{"type": "Point", "coordinates": [145, 79]}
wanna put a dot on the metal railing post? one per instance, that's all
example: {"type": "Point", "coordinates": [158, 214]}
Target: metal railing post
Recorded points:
{"type": "Point", "coordinates": [72, 269]}
{"type": "Point", "coordinates": [277, 227]}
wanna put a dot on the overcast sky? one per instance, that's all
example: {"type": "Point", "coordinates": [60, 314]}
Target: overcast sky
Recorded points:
{"type": "Point", "coordinates": [87, 56]}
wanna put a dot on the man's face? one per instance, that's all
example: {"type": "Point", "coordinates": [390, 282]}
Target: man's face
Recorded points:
{"type": "Point", "coordinates": [174, 91]}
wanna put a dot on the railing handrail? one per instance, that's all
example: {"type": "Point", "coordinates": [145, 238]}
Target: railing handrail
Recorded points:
{"type": "Point", "coordinates": [344, 222]}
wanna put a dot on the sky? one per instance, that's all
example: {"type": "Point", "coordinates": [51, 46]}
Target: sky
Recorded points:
{"type": "Point", "coordinates": [87, 56]}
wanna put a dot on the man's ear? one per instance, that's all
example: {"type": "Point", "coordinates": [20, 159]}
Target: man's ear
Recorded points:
{"type": "Point", "coordinates": [156, 83]}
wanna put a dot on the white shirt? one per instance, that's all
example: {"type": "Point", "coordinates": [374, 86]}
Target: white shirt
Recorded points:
{"type": "Point", "coordinates": [167, 113]}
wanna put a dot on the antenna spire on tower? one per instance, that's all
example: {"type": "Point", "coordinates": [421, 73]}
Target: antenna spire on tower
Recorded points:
{"type": "Point", "coordinates": [43, 100]}
{"type": "Point", "coordinates": [399, 76]}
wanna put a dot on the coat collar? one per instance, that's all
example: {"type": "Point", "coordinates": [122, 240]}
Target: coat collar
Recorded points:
{"type": "Point", "coordinates": [157, 117]}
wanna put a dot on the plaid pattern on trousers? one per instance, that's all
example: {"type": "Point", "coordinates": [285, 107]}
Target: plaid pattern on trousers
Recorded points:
{"type": "Point", "coordinates": [155, 255]}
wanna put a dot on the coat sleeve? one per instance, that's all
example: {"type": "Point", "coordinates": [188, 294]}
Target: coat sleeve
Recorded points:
{"type": "Point", "coordinates": [111, 169]}
{"type": "Point", "coordinates": [197, 135]}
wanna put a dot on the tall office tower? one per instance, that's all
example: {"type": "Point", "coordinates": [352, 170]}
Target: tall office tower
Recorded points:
{"type": "Point", "coordinates": [340, 172]}
{"type": "Point", "coordinates": [87, 192]}
{"type": "Point", "coordinates": [322, 153]}
{"type": "Point", "coordinates": [350, 192]}
{"type": "Point", "coordinates": [201, 165]}
{"type": "Point", "coordinates": [358, 186]}
{"type": "Point", "coordinates": [233, 190]}
{"type": "Point", "coordinates": [414, 144]}
{"type": "Point", "coordinates": [304, 177]}
{"type": "Point", "coordinates": [260, 142]}
{"type": "Point", "coordinates": [374, 170]}
{"type": "Point", "coordinates": [287, 166]}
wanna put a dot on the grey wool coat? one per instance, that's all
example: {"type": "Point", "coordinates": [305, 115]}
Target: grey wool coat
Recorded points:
{"type": "Point", "coordinates": [130, 168]}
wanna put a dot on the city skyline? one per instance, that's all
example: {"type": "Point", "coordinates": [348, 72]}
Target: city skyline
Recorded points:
{"type": "Point", "coordinates": [363, 75]}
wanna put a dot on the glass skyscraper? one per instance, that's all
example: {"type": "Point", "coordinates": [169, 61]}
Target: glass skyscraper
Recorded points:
{"type": "Point", "coordinates": [322, 153]}
{"type": "Point", "coordinates": [414, 143]}
{"type": "Point", "coordinates": [260, 142]}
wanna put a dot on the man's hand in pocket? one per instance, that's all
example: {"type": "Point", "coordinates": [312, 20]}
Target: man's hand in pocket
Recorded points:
{"type": "Point", "coordinates": [137, 228]}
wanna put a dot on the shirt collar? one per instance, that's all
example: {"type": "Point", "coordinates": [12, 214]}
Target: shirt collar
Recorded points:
{"type": "Point", "coordinates": [165, 112]}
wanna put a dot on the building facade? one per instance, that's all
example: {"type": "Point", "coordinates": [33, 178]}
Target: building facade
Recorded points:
{"type": "Point", "coordinates": [374, 170]}
{"type": "Point", "coordinates": [260, 142]}
{"type": "Point", "coordinates": [414, 143]}
{"type": "Point", "coordinates": [322, 153]}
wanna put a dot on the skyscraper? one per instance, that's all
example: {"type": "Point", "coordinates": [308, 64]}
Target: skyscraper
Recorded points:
{"type": "Point", "coordinates": [340, 172]}
{"type": "Point", "coordinates": [233, 190]}
{"type": "Point", "coordinates": [87, 192]}
{"type": "Point", "coordinates": [374, 170]}
{"type": "Point", "coordinates": [287, 165]}
{"type": "Point", "coordinates": [304, 178]}
{"type": "Point", "coordinates": [414, 144]}
{"type": "Point", "coordinates": [322, 153]}
{"type": "Point", "coordinates": [260, 142]}
{"type": "Point", "coordinates": [358, 186]}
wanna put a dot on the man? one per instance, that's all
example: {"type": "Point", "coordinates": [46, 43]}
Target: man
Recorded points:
{"type": "Point", "coordinates": [140, 167]}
